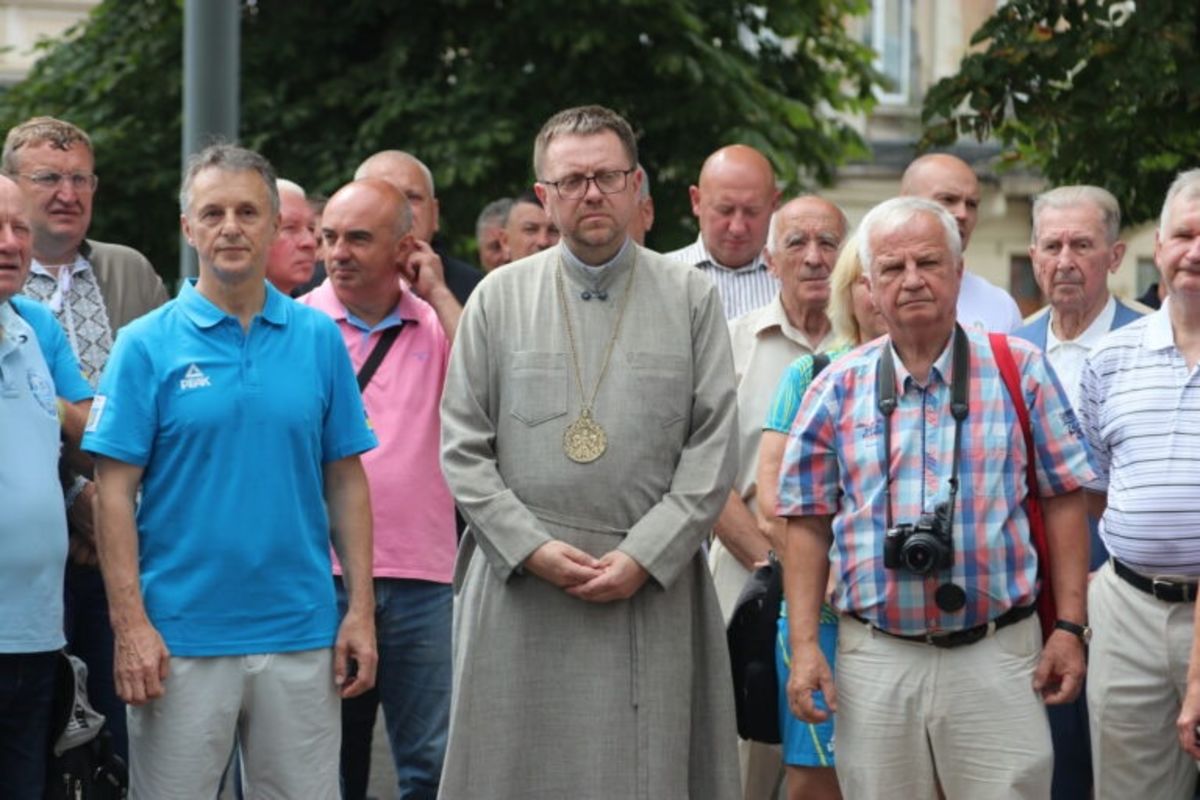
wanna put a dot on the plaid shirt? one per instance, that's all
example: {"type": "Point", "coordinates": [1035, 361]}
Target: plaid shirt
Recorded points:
{"type": "Point", "coordinates": [833, 465]}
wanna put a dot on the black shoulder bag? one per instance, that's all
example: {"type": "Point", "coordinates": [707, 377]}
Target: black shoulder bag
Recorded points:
{"type": "Point", "coordinates": [751, 636]}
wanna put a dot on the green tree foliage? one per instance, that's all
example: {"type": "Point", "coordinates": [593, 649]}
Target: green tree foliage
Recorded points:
{"type": "Point", "coordinates": [1086, 91]}
{"type": "Point", "coordinates": [463, 84]}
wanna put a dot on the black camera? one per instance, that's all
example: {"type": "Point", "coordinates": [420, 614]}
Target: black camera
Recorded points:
{"type": "Point", "coordinates": [922, 548]}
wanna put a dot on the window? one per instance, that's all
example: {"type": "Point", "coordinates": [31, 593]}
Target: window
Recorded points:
{"type": "Point", "coordinates": [1147, 274]}
{"type": "Point", "coordinates": [1025, 289]}
{"type": "Point", "coordinates": [889, 33]}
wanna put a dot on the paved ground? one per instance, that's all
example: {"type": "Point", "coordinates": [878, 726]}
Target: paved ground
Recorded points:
{"type": "Point", "coordinates": [383, 776]}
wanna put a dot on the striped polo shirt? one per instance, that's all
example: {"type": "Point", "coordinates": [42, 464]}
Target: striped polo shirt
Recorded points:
{"type": "Point", "coordinates": [1140, 410]}
{"type": "Point", "coordinates": [741, 289]}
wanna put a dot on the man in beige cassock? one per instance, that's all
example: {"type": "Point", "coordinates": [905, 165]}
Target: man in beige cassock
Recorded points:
{"type": "Point", "coordinates": [587, 436]}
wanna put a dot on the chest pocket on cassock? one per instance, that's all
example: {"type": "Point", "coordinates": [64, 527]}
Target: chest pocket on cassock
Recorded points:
{"type": "Point", "coordinates": [666, 385]}
{"type": "Point", "coordinates": [539, 386]}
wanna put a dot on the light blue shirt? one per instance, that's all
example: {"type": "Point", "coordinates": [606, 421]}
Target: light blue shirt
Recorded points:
{"type": "Point", "coordinates": [233, 429]}
{"type": "Point", "coordinates": [33, 522]}
{"type": "Point", "coordinates": [69, 382]}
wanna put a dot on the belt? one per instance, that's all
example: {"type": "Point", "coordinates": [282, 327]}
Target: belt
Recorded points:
{"type": "Point", "coordinates": [1162, 589]}
{"type": "Point", "coordinates": [963, 637]}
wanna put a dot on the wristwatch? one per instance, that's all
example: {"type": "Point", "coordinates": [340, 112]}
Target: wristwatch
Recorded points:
{"type": "Point", "coordinates": [1082, 631]}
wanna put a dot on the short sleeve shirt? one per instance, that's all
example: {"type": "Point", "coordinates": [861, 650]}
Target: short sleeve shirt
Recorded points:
{"type": "Point", "coordinates": [834, 465]}
{"type": "Point", "coordinates": [33, 522]}
{"type": "Point", "coordinates": [792, 386]}
{"type": "Point", "coordinates": [69, 382]}
{"type": "Point", "coordinates": [412, 540]}
{"type": "Point", "coordinates": [233, 429]}
{"type": "Point", "coordinates": [1140, 408]}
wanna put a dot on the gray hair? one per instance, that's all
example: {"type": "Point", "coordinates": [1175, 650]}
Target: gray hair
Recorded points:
{"type": "Point", "coordinates": [61, 135]}
{"type": "Point", "coordinates": [1187, 185]}
{"type": "Point", "coordinates": [897, 212]}
{"type": "Point", "coordinates": [1065, 197]}
{"type": "Point", "coordinates": [284, 185]}
{"type": "Point", "coordinates": [228, 158]}
{"type": "Point", "coordinates": [644, 191]}
{"type": "Point", "coordinates": [584, 121]}
{"type": "Point", "coordinates": [773, 224]}
{"type": "Point", "coordinates": [363, 170]}
{"type": "Point", "coordinates": [494, 213]}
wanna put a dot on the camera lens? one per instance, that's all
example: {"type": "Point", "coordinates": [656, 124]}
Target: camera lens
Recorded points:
{"type": "Point", "coordinates": [918, 558]}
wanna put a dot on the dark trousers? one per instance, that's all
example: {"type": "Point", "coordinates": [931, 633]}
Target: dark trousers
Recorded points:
{"type": "Point", "coordinates": [90, 638]}
{"type": "Point", "coordinates": [1072, 750]}
{"type": "Point", "coordinates": [26, 697]}
{"type": "Point", "coordinates": [358, 728]}
{"type": "Point", "coordinates": [412, 628]}
{"type": "Point", "coordinates": [1069, 723]}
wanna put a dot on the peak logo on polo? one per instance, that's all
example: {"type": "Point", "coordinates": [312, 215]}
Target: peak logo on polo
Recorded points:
{"type": "Point", "coordinates": [194, 379]}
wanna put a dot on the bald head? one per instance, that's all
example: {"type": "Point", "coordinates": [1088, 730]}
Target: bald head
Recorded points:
{"type": "Point", "coordinates": [378, 196]}
{"type": "Point", "coordinates": [825, 214]}
{"type": "Point", "coordinates": [948, 181]}
{"type": "Point", "coordinates": [413, 179]}
{"type": "Point", "coordinates": [366, 242]}
{"type": "Point", "coordinates": [733, 202]}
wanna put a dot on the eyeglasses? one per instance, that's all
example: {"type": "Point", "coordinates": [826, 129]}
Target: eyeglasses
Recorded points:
{"type": "Point", "coordinates": [49, 181]}
{"type": "Point", "coordinates": [574, 187]}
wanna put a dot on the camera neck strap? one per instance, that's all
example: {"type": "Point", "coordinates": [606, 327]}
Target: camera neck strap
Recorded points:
{"type": "Point", "coordinates": [885, 391]}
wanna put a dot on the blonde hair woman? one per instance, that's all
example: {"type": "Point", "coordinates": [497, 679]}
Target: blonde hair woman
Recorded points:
{"type": "Point", "coordinates": [808, 748]}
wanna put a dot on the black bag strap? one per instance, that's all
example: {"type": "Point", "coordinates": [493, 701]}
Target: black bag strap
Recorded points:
{"type": "Point", "coordinates": [384, 343]}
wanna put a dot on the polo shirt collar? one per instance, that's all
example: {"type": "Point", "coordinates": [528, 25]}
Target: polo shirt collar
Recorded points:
{"type": "Point", "coordinates": [14, 330]}
{"type": "Point", "coordinates": [277, 306]}
{"type": "Point", "coordinates": [1158, 334]}
{"type": "Point", "coordinates": [205, 314]}
{"type": "Point", "coordinates": [406, 312]}
{"type": "Point", "coordinates": [1091, 335]}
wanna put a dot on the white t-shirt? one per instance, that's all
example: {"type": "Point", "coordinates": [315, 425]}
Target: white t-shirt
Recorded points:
{"type": "Point", "coordinates": [986, 307]}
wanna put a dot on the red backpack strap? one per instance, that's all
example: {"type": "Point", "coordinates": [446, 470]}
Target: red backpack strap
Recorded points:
{"type": "Point", "coordinates": [1011, 376]}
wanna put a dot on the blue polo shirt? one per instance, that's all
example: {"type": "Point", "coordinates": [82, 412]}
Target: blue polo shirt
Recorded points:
{"type": "Point", "coordinates": [69, 382]}
{"type": "Point", "coordinates": [33, 522]}
{"type": "Point", "coordinates": [233, 430]}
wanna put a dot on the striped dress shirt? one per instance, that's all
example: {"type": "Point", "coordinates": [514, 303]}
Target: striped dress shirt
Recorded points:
{"type": "Point", "coordinates": [742, 289]}
{"type": "Point", "coordinates": [834, 466]}
{"type": "Point", "coordinates": [1140, 409]}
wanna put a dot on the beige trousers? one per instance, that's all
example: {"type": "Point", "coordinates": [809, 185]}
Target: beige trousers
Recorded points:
{"type": "Point", "coordinates": [283, 707]}
{"type": "Point", "coordinates": [1137, 674]}
{"type": "Point", "coordinates": [910, 714]}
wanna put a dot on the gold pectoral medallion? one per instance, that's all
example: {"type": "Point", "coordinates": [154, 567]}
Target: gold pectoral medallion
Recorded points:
{"type": "Point", "coordinates": [584, 440]}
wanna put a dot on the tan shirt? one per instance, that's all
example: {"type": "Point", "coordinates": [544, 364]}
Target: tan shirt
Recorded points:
{"type": "Point", "coordinates": [764, 344]}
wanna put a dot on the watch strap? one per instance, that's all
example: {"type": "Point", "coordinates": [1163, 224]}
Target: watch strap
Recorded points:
{"type": "Point", "coordinates": [1081, 631]}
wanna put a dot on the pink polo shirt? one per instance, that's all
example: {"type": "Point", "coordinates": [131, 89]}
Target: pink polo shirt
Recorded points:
{"type": "Point", "coordinates": [411, 506]}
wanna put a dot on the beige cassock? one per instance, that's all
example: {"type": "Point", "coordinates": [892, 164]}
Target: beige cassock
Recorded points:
{"type": "Point", "coordinates": [553, 696]}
